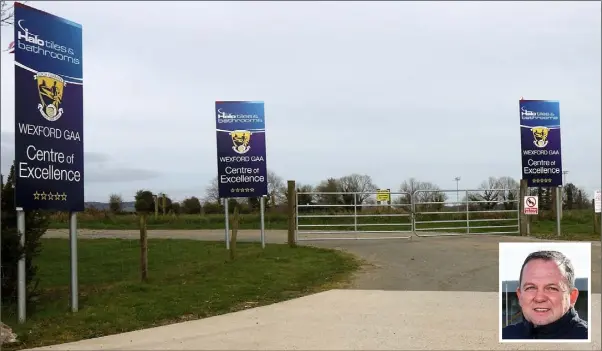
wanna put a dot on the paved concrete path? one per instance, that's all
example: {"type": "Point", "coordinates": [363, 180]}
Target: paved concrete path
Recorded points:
{"type": "Point", "coordinates": [342, 320]}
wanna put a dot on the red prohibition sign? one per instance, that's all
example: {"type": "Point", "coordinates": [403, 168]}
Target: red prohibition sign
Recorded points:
{"type": "Point", "coordinates": [531, 202]}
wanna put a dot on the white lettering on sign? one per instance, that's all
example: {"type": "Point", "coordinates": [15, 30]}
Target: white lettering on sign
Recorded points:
{"type": "Point", "coordinates": [48, 171]}
{"type": "Point", "coordinates": [541, 167]}
{"type": "Point", "coordinates": [232, 159]}
{"type": "Point", "coordinates": [241, 175]}
{"type": "Point", "coordinates": [531, 205]}
{"type": "Point", "coordinates": [49, 132]}
{"type": "Point", "coordinates": [540, 152]}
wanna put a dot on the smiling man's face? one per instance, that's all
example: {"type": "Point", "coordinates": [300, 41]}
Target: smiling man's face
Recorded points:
{"type": "Point", "coordinates": [544, 295]}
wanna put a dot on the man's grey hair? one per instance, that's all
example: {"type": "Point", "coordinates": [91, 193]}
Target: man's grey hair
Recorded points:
{"type": "Point", "coordinates": [564, 263]}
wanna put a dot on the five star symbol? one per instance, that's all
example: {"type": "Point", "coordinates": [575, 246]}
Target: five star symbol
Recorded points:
{"type": "Point", "coordinates": [49, 196]}
{"type": "Point", "coordinates": [242, 190]}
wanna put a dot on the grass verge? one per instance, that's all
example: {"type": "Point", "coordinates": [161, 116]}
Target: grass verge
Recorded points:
{"type": "Point", "coordinates": [574, 221]}
{"type": "Point", "coordinates": [188, 280]}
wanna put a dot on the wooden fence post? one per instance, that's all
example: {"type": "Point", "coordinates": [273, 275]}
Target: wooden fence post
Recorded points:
{"type": "Point", "coordinates": [234, 225]}
{"type": "Point", "coordinates": [156, 198]}
{"type": "Point", "coordinates": [292, 218]}
{"type": "Point", "coordinates": [143, 248]}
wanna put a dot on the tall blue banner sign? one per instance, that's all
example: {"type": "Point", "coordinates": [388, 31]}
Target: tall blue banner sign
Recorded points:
{"type": "Point", "coordinates": [540, 143]}
{"type": "Point", "coordinates": [49, 139]}
{"type": "Point", "coordinates": [241, 149]}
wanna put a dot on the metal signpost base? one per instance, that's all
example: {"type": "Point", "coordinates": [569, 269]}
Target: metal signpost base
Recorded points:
{"type": "Point", "coordinates": [262, 210]}
{"type": "Point", "coordinates": [73, 242]}
{"type": "Point", "coordinates": [558, 209]}
{"type": "Point", "coordinates": [227, 217]}
{"type": "Point", "coordinates": [22, 298]}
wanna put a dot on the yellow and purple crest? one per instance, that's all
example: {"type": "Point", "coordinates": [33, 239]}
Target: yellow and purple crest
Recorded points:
{"type": "Point", "coordinates": [50, 89]}
{"type": "Point", "coordinates": [540, 136]}
{"type": "Point", "coordinates": [241, 140]}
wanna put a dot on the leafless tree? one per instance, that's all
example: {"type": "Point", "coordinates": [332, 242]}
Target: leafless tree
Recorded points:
{"type": "Point", "coordinates": [7, 13]}
{"type": "Point", "coordinates": [488, 196]}
{"type": "Point", "coordinates": [432, 193]}
{"type": "Point", "coordinates": [212, 192]}
{"type": "Point", "coordinates": [509, 192]}
{"type": "Point", "coordinates": [357, 183]}
{"type": "Point", "coordinates": [303, 198]}
{"type": "Point", "coordinates": [495, 191]}
{"type": "Point", "coordinates": [276, 189]}
{"type": "Point", "coordinates": [330, 186]}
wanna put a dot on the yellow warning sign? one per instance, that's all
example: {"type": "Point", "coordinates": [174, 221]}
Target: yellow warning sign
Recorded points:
{"type": "Point", "coordinates": [383, 195]}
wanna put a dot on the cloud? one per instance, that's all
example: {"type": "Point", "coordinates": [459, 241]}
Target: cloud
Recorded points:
{"type": "Point", "coordinates": [118, 175]}
{"type": "Point", "coordinates": [390, 89]}
{"type": "Point", "coordinates": [99, 167]}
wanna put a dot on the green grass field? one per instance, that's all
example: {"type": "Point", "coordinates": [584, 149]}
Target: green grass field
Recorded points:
{"type": "Point", "coordinates": [188, 280]}
{"type": "Point", "coordinates": [576, 224]}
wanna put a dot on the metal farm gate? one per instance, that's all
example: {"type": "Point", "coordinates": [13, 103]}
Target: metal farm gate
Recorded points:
{"type": "Point", "coordinates": [424, 213]}
{"type": "Point", "coordinates": [347, 215]}
{"type": "Point", "coordinates": [491, 211]}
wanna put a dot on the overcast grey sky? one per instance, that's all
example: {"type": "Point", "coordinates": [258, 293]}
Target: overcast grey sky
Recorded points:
{"type": "Point", "coordinates": [392, 89]}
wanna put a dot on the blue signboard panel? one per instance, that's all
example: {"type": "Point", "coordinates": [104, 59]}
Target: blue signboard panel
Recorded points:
{"type": "Point", "coordinates": [241, 149]}
{"type": "Point", "coordinates": [49, 140]}
{"type": "Point", "coordinates": [540, 143]}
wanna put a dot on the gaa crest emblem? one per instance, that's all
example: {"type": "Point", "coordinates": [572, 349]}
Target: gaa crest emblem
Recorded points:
{"type": "Point", "coordinates": [241, 139]}
{"type": "Point", "coordinates": [50, 90]}
{"type": "Point", "coordinates": [540, 136]}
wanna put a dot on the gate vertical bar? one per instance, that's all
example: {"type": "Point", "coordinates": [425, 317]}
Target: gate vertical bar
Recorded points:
{"type": "Point", "coordinates": [296, 216]}
{"type": "Point", "coordinates": [341, 212]}
{"type": "Point", "coordinates": [467, 214]}
{"type": "Point", "coordinates": [355, 211]}
{"type": "Point", "coordinates": [413, 209]}
{"type": "Point", "coordinates": [74, 280]}
{"type": "Point", "coordinates": [227, 224]}
{"type": "Point", "coordinates": [21, 267]}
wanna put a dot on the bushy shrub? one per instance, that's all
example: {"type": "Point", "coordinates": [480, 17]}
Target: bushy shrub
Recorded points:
{"type": "Point", "coordinates": [36, 223]}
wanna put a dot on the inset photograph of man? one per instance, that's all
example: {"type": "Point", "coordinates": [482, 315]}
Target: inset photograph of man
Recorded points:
{"type": "Point", "coordinates": [545, 292]}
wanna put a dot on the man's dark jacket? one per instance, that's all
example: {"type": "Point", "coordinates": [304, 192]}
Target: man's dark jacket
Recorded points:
{"type": "Point", "coordinates": [569, 326]}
